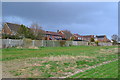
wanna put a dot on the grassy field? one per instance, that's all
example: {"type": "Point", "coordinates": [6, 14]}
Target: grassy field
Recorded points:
{"type": "Point", "coordinates": [109, 70]}
{"type": "Point", "coordinates": [56, 61]}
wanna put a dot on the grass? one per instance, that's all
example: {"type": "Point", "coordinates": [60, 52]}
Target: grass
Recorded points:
{"type": "Point", "coordinates": [54, 61]}
{"type": "Point", "coordinates": [13, 53]}
{"type": "Point", "coordinates": [109, 70]}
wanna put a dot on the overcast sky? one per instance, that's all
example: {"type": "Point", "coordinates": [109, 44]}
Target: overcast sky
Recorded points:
{"type": "Point", "coordinates": [84, 18]}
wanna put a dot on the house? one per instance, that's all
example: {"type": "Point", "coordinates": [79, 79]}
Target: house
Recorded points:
{"type": "Point", "coordinates": [10, 28]}
{"type": "Point", "coordinates": [49, 35]}
{"type": "Point", "coordinates": [77, 37]}
{"type": "Point", "coordinates": [102, 38]}
{"type": "Point", "coordinates": [87, 37]}
{"type": "Point", "coordinates": [66, 35]}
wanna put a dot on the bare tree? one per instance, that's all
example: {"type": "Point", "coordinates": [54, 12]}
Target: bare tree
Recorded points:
{"type": "Point", "coordinates": [68, 34]}
{"type": "Point", "coordinates": [37, 31]}
{"type": "Point", "coordinates": [115, 37]}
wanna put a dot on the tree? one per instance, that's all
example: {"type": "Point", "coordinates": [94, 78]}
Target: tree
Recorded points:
{"type": "Point", "coordinates": [37, 31]}
{"type": "Point", "coordinates": [72, 38]}
{"type": "Point", "coordinates": [92, 40]}
{"type": "Point", "coordinates": [114, 38]}
{"type": "Point", "coordinates": [24, 32]}
{"type": "Point", "coordinates": [68, 34]}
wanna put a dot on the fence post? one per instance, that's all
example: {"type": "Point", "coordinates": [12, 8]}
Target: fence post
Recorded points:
{"type": "Point", "coordinates": [9, 43]}
{"type": "Point", "coordinates": [33, 42]}
{"type": "Point", "coordinates": [42, 42]}
{"type": "Point", "coordinates": [53, 43]}
{"type": "Point", "coordinates": [46, 43]}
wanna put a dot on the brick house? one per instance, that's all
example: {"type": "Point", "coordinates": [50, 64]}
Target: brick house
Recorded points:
{"type": "Point", "coordinates": [10, 28]}
{"type": "Point", "coordinates": [87, 37]}
{"type": "Point", "coordinates": [77, 37]}
{"type": "Point", "coordinates": [83, 38]}
{"type": "Point", "coordinates": [52, 36]}
{"type": "Point", "coordinates": [102, 38]}
{"type": "Point", "coordinates": [64, 36]}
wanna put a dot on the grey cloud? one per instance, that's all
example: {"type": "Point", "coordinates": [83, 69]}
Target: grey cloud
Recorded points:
{"type": "Point", "coordinates": [62, 15]}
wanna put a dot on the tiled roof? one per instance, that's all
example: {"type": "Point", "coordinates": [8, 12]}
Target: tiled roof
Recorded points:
{"type": "Point", "coordinates": [88, 36]}
{"type": "Point", "coordinates": [101, 36]}
{"type": "Point", "coordinates": [13, 27]}
{"type": "Point", "coordinates": [84, 36]}
{"type": "Point", "coordinates": [77, 35]}
{"type": "Point", "coordinates": [52, 33]}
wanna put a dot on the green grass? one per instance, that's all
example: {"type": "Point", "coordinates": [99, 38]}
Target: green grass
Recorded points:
{"type": "Point", "coordinates": [13, 53]}
{"type": "Point", "coordinates": [54, 61]}
{"type": "Point", "coordinates": [109, 70]}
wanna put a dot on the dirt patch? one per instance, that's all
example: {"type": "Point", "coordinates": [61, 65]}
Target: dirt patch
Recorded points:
{"type": "Point", "coordinates": [64, 58]}
{"type": "Point", "coordinates": [11, 66]}
{"type": "Point", "coordinates": [33, 47]}
{"type": "Point", "coordinates": [88, 68]}
{"type": "Point", "coordinates": [109, 51]}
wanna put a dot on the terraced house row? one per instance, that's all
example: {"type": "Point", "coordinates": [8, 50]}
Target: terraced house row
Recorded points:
{"type": "Point", "coordinates": [12, 29]}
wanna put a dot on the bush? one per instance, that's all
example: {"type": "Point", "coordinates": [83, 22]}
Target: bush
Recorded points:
{"type": "Point", "coordinates": [96, 42]}
{"type": "Point", "coordinates": [114, 42]}
{"type": "Point", "coordinates": [72, 38]}
{"type": "Point", "coordinates": [62, 43]}
{"type": "Point", "coordinates": [5, 36]}
{"type": "Point", "coordinates": [92, 40]}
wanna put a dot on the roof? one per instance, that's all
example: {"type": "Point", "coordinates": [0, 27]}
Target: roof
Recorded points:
{"type": "Point", "coordinates": [52, 33]}
{"type": "Point", "coordinates": [84, 36]}
{"type": "Point", "coordinates": [101, 36]}
{"type": "Point", "coordinates": [77, 35]}
{"type": "Point", "coordinates": [13, 27]}
{"type": "Point", "coordinates": [88, 36]}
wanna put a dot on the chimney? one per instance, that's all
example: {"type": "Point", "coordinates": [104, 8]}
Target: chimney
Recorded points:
{"type": "Point", "coordinates": [58, 30]}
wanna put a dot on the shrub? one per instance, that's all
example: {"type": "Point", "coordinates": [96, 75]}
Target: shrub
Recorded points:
{"type": "Point", "coordinates": [72, 38]}
{"type": "Point", "coordinates": [5, 36]}
{"type": "Point", "coordinates": [62, 43]}
{"type": "Point", "coordinates": [96, 42]}
{"type": "Point", "coordinates": [114, 42]}
{"type": "Point", "coordinates": [92, 40]}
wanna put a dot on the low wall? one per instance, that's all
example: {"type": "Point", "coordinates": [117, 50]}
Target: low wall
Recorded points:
{"type": "Point", "coordinates": [6, 43]}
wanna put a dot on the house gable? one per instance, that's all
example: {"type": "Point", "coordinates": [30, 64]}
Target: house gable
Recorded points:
{"type": "Point", "coordinates": [6, 29]}
{"type": "Point", "coordinates": [102, 38]}
{"type": "Point", "coordinates": [52, 35]}
{"type": "Point", "coordinates": [10, 28]}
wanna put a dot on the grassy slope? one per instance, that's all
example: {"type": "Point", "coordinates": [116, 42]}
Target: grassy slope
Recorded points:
{"type": "Point", "coordinates": [109, 70]}
{"type": "Point", "coordinates": [49, 68]}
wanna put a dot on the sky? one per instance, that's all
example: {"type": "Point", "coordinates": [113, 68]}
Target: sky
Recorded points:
{"type": "Point", "coordinates": [84, 18]}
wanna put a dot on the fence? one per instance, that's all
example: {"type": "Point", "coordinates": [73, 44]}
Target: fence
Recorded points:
{"type": "Point", "coordinates": [105, 44]}
{"type": "Point", "coordinates": [46, 43]}
{"type": "Point", "coordinates": [11, 43]}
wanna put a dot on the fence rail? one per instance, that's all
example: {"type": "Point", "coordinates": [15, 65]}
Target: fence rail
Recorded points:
{"type": "Point", "coordinates": [45, 43]}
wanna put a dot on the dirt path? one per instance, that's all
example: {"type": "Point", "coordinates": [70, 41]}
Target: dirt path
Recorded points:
{"type": "Point", "coordinates": [88, 68]}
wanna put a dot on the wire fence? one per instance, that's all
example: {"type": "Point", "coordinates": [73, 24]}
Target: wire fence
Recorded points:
{"type": "Point", "coordinates": [6, 43]}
